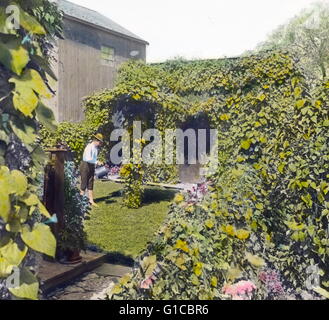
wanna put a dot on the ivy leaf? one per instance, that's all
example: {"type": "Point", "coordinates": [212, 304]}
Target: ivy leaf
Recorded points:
{"type": "Point", "coordinates": [25, 100]}
{"type": "Point", "coordinates": [321, 292]}
{"type": "Point", "coordinates": [229, 229]}
{"type": "Point", "coordinates": [237, 173]}
{"type": "Point", "coordinates": [26, 89]}
{"type": "Point", "coordinates": [40, 239]}
{"type": "Point", "coordinates": [294, 226]}
{"type": "Point", "coordinates": [326, 123]}
{"type": "Point", "coordinates": [5, 180]}
{"type": "Point", "coordinates": [242, 234]}
{"type": "Point", "coordinates": [46, 116]}
{"type": "Point", "coordinates": [43, 64]}
{"type": "Point", "coordinates": [4, 135]}
{"type": "Point", "coordinates": [246, 144]}
{"type": "Point", "coordinates": [261, 97]}
{"type": "Point", "coordinates": [255, 260]}
{"type": "Point", "coordinates": [214, 281]}
{"type": "Point", "coordinates": [43, 210]}
{"type": "Point", "coordinates": [4, 205]}
{"type": "Point", "coordinates": [300, 103]}
{"type": "Point", "coordinates": [298, 91]}
{"type": "Point", "coordinates": [180, 261]}
{"type": "Point", "coordinates": [281, 167]}
{"type": "Point", "coordinates": [195, 280]}
{"type": "Point", "coordinates": [117, 289]}
{"type": "Point", "coordinates": [31, 200]}
{"type": "Point", "coordinates": [233, 273]}
{"type": "Point", "coordinates": [14, 225]}
{"type": "Point", "coordinates": [149, 264]}
{"type": "Point", "coordinates": [14, 56]}
{"type": "Point", "coordinates": [136, 97]}
{"type": "Point", "coordinates": [28, 287]}
{"type": "Point", "coordinates": [308, 200]}
{"type": "Point", "coordinates": [25, 131]}
{"type": "Point", "coordinates": [182, 245]}
{"type": "Point", "coordinates": [30, 24]}
{"type": "Point", "coordinates": [259, 206]}
{"type": "Point", "coordinates": [12, 253]}
{"type": "Point", "coordinates": [198, 269]}
{"type": "Point", "coordinates": [20, 181]}
{"type": "Point", "coordinates": [286, 144]}
{"type": "Point", "coordinates": [5, 268]}
{"type": "Point", "coordinates": [249, 214]}
{"type": "Point", "coordinates": [298, 236]}
{"type": "Point", "coordinates": [240, 159]}
{"type": "Point", "coordinates": [225, 117]}
{"type": "Point", "coordinates": [209, 224]}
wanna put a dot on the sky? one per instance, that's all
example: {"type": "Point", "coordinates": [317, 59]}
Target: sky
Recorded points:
{"type": "Point", "coordinates": [199, 28]}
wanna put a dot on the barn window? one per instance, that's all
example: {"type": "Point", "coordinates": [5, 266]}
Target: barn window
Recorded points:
{"type": "Point", "coordinates": [107, 56]}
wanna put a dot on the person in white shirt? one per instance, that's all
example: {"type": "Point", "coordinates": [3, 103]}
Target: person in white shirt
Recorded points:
{"type": "Point", "coordinates": [87, 167]}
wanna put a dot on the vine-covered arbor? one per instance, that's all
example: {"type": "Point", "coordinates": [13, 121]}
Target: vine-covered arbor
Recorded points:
{"type": "Point", "coordinates": [265, 209]}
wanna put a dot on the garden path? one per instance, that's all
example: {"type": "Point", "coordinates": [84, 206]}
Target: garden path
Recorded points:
{"type": "Point", "coordinates": [92, 285]}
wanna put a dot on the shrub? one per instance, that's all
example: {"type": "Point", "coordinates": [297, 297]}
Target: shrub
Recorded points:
{"type": "Point", "coordinates": [76, 209]}
{"type": "Point", "coordinates": [74, 136]}
{"type": "Point", "coordinates": [132, 175]}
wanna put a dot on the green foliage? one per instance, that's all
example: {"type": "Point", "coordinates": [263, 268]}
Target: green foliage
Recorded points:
{"type": "Point", "coordinates": [24, 68]}
{"type": "Point", "coordinates": [133, 191]}
{"type": "Point", "coordinates": [77, 207]}
{"type": "Point", "coordinates": [132, 175]}
{"type": "Point", "coordinates": [73, 135]}
{"type": "Point", "coordinates": [306, 35]}
{"type": "Point", "coordinates": [77, 135]}
{"type": "Point", "coordinates": [266, 205]}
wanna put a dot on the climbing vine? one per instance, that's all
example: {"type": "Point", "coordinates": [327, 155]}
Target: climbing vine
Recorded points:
{"type": "Point", "coordinates": [263, 213]}
{"type": "Point", "coordinates": [76, 210]}
{"type": "Point", "coordinates": [24, 78]}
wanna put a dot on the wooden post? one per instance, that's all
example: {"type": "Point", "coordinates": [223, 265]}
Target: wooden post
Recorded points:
{"type": "Point", "coordinates": [54, 188]}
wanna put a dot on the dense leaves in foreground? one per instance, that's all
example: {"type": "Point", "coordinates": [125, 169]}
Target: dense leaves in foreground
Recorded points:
{"type": "Point", "coordinates": [25, 76]}
{"type": "Point", "coordinates": [259, 227]}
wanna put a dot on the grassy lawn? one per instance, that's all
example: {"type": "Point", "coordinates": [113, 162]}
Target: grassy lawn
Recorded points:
{"type": "Point", "coordinates": [115, 228]}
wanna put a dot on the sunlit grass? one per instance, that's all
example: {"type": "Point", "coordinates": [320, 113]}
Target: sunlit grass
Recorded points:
{"type": "Point", "coordinates": [115, 228]}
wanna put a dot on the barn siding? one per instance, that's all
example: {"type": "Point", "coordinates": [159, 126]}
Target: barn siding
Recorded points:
{"type": "Point", "coordinates": [80, 71]}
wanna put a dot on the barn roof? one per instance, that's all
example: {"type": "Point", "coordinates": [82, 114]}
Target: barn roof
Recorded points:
{"type": "Point", "coordinates": [93, 17]}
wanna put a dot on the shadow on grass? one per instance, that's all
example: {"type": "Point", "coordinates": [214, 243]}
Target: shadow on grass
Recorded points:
{"type": "Point", "coordinates": [113, 257]}
{"type": "Point", "coordinates": [119, 258]}
{"type": "Point", "coordinates": [109, 198]}
{"type": "Point", "coordinates": [158, 195]}
{"type": "Point", "coordinates": [150, 196]}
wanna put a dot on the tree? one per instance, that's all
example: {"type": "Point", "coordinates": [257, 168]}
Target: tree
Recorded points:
{"type": "Point", "coordinates": [307, 35]}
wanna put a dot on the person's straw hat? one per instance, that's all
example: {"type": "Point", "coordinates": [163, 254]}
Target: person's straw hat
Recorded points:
{"type": "Point", "coordinates": [99, 137]}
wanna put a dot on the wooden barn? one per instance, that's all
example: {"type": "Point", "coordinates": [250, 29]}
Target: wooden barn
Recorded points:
{"type": "Point", "coordinates": [88, 57]}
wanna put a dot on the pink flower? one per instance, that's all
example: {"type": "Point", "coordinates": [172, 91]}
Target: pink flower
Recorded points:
{"type": "Point", "coordinates": [230, 290]}
{"type": "Point", "coordinates": [147, 283]}
{"type": "Point", "coordinates": [272, 281]}
{"type": "Point", "coordinates": [240, 290]}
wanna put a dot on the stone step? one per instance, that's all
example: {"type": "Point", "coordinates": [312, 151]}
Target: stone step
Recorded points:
{"type": "Point", "coordinates": [54, 274]}
{"type": "Point", "coordinates": [112, 270]}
